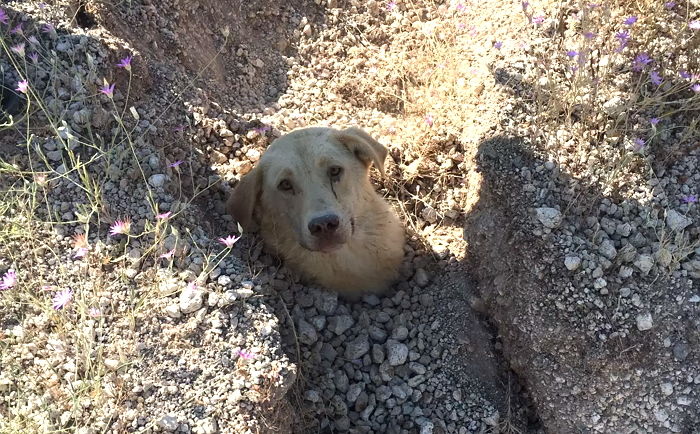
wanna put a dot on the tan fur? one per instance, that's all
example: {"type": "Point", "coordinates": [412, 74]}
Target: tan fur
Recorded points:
{"type": "Point", "coordinates": [367, 248]}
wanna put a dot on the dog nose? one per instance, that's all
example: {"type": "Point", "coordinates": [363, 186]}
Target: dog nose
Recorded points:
{"type": "Point", "coordinates": [324, 225]}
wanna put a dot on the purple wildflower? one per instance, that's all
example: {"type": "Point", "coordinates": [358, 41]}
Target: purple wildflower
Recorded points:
{"type": "Point", "coordinates": [19, 48]}
{"type": "Point", "coordinates": [34, 57]}
{"type": "Point", "coordinates": [689, 199]}
{"type": "Point", "coordinates": [175, 164]}
{"type": "Point", "coordinates": [694, 25]}
{"type": "Point", "coordinates": [229, 241]}
{"type": "Point", "coordinates": [641, 61]}
{"type": "Point", "coordinates": [3, 17]}
{"type": "Point", "coordinates": [623, 36]}
{"type": "Point", "coordinates": [696, 87]}
{"type": "Point", "coordinates": [48, 28]}
{"type": "Point", "coordinates": [33, 40]}
{"type": "Point", "coordinates": [572, 53]}
{"type": "Point", "coordinates": [538, 19]}
{"type": "Point", "coordinates": [594, 5]}
{"type": "Point", "coordinates": [639, 142]}
{"type": "Point", "coordinates": [497, 45]}
{"type": "Point", "coordinates": [429, 120]}
{"type": "Point", "coordinates": [654, 121]}
{"type": "Point", "coordinates": [22, 86]}
{"type": "Point", "coordinates": [525, 5]}
{"type": "Point", "coordinates": [62, 299]}
{"type": "Point", "coordinates": [120, 227]}
{"type": "Point", "coordinates": [655, 78]}
{"type": "Point", "coordinates": [589, 35]}
{"type": "Point", "coordinates": [245, 354]}
{"type": "Point", "coordinates": [163, 216]}
{"type": "Point", "coordinates": [125, 63]}
{"type": "Point", "coordinates": [81, 252]}
{"type": "Point", "coordinates": [17, 30]}
{"type": "Point", "coordinates": [460, 7]}
{"type": "Point", "coordinates": [391, 6]}
{"type": "Point", "coordinates": [180, 128]}
{"type": "Point", "coordinates": [684, 74]}
{"type": "Point", "coordinates": [263, 129]}
{"type": "Point", "coordinates": [94, 312]}
{"type": "Point", "coordinates": [670, 5]}
{"type": "Point", "coordinates": [167, 255]}
{"type": "Point", "coordinates": [9, 280]}
{"type": "Point", "coordinates": [108, 90]}
{"type": "Point", "coordinates": [631, 20]}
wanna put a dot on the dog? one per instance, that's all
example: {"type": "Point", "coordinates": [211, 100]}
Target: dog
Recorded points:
{"type": "Point", "coordinates": [311, 198]}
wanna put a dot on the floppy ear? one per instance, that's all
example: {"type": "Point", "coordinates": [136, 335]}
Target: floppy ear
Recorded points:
{"type": "Point", "coordinates": [241, 203]}
{"type": "Point", "coordinates": [365, 148]}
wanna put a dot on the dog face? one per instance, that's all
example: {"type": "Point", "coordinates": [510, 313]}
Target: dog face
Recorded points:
{"type": "Point", "coordinates": [308, 185]}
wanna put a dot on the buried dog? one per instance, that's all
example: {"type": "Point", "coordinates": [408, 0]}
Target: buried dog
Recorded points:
{"type": "Point", "coordinates": [311, 197]}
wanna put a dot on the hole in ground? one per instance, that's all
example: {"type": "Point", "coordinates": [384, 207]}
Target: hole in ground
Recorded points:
{"type": "Point", "coordinates": [84, 18]}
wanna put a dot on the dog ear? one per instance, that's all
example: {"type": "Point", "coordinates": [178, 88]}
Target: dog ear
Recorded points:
{"type": "Point", "coordinates": [365, 148]}
{"type": "Point", "coordinates": [241, 203]}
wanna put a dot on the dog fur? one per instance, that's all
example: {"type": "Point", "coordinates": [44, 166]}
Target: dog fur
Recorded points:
{"type": "Point", "coordinates": [305, 177]}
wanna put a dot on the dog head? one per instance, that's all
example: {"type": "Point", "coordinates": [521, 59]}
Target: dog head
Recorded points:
{"type": "Point", "coordinates": [310, 184]}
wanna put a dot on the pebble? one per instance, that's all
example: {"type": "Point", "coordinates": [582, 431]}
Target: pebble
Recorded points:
{"type": "Point", "coordinates": [681, 351]}
{"type": "Point", "coordinates": [644, 263]}
{"type": "Point", "coordinates": [357, 348]}
{"type": "Point", "coordinates": [644, 321]}
{"type": "Point", "coordinates": [173, 311]}
{"type": "Point", "coordinates": [168, 423]}
{"type": "Point", "coordinates": [549, 217]}
{"type": "Point", "coordinates": [607, 249]}
{"type": "Point", "coordinates": [340, 324]}
{"type": "Point", "coordinates": [677, 221]}
{"type": "Point", "coordinates": [307, 333]}
{"type": "Point", "coordinates": [422, 279]}
{"type": "Point", "coordinates": [326, 302]}
{"type": "Point", "coordinates": [157, 180]}
{"type": "Point", "coordinates": [396, 352]}
{"type": "Point", "coordinates": [191, 299]}
{"type": "Point", "coordinates": [572, 263]}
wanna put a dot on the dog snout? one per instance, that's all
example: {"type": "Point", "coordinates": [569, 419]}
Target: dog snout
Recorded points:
{"type": "Point", "coordinates": [324, 225]}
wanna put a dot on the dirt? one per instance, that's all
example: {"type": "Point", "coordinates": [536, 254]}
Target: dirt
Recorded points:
{"type": "Point", "coordinates": [521, 343]}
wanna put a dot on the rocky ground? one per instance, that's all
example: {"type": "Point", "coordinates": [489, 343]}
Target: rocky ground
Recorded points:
{"type": "Point", "coordinates": [546, 173]}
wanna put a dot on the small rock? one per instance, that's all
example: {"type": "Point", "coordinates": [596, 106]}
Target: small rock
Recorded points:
{"type": "Point", "coordinates": [549, 217]}
{"type": "Point", "coordinates": [397, 353]}
{"type": "Point", "coordinates": [168, 423]}
{"type": "Point", "coordinates": [111, 364]}
{"type": "Point", "coordinates": [326, 302]}
{"type": "Point", "coordinates": [157, 180]}
{"type": "Point", "coordinates": [173, 311]}
{"type": "Point", "coordinates": [667, 389]}
{"type": "Point", "coordinates": [312, 396]}
{"type": "Point", "coordinates": [399, 333]}
{"type": "Point", "coordinates": [191, 299]}
{"type": "Point", "coordinates": [644, 263]}
{"type": "Point", "coordinates": [607, 249]}
{"type": "Point", "coordinates": [644, 321]}
{"type": "Point", "coordinates": [572, 263]}
{"type": "Point", "coordinates": [340, 324]}
{"type": "Point", "coordinates": [357, 347]}
{"type": "Point", "coordinates": [244, 293]}
{"type": "Point", "coordinates": [680, 351]}
{"type": "Point", "coordinates": [307, 333]}
{"type": "Point", "coordinates": [421, 278]}
{"type": "Point", "coordinates": [677, 221]}
{"type": "Point", "coordinates": [253, 155]}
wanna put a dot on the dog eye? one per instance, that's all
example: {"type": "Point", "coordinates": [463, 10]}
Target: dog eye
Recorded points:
{"type": "Point", "coordinates": [285, 185]}
{"type": "Point", "coordinates": [335, 172]}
